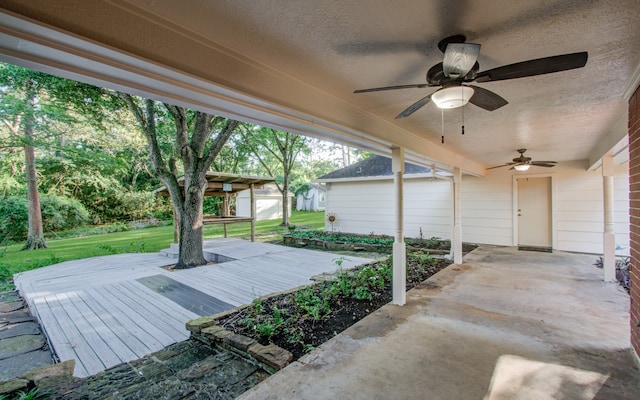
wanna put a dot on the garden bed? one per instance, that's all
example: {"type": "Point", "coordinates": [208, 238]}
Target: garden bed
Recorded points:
{"type": "Point", "coordinates": [339, 241]}
{"type": "Point", "coordinates": [302, 320]}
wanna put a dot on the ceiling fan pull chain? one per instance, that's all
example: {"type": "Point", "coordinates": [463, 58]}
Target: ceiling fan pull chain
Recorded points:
{"type": "Point", "coordinates": [462, 120]}
{"type": "Point", "coordinates": [442, 123]}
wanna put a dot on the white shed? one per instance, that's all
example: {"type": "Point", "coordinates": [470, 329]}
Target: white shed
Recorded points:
{"type": "Point", "coordinates": [268, 203]}
{"type": "Point", "coordinates": [312, 199]}
{"type": "Point", "coordinates": [568, 202]}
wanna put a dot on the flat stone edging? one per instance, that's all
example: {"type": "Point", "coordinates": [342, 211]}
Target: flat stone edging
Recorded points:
{"type": "Point", "coordinates": [43, 377]}
{"type": "Point", "coordinates": [270, 357]}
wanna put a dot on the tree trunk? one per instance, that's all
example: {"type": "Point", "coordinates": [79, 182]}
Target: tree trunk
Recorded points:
{"type": "Point", "coordinates": [191, 229]}
{"type": "Point", "coordinates": [35, 235]}
{"type": "Point", "coordinates": [285, 204]}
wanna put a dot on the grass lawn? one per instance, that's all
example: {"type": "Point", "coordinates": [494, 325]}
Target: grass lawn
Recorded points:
{"type": "Point", "coordinates": [12, 260]}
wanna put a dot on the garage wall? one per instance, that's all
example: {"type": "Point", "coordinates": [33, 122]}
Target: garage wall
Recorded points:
{"type": "Point", "coordinates": [368, 206]}
{"type": "Point", "coordinates": [487, 207]}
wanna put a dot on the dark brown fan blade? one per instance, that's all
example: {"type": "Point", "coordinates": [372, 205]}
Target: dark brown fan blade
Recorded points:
{"type": "Point", "coordinates": [503, 165]}
{"type": "Point", "coordinates": [547, 164]}
{"type": "Point", "coordinates": [539, 66]}
{"type": "Point", "coordinates": [414, 107]}
{"type": "Point", "coordinates": [486, 99]}
{"type": "Point", "coordinates": [378, 89]}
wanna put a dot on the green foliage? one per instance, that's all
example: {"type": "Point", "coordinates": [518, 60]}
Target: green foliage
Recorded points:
{"type": "Point", "coordinates": [61, 213]}
{"type": "Point", "coordinates": [344, 237]}
{"type": "Point", "coordinates": [33, 394]}
{"type": "Point", "coordinates": [13, 218]}
{"type": "Point", "coordinates": [58, 213]}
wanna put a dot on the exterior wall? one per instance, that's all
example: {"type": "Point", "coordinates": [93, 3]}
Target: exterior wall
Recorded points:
{"type": "Point", "coordinates": [368, 206]}
{"type": "Point", "coordinates": [312, 202]}
{"type": "Point", "coordinates": [634, 197]}
{"type": "Point", "coordinates": [488, 209]}
{"type": "Point", "coordinates": [267, 207]}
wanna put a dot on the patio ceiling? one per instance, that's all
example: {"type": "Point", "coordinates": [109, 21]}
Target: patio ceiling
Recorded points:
{"type": "Point", "coordinates": [294, 65]}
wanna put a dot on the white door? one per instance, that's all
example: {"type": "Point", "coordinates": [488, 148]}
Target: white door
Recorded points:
{"type": "Point", "coordinates": [534, 212]}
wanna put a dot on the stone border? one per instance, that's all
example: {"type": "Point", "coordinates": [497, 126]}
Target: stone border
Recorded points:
{"type": "Point", "coordinates": [270, 357]}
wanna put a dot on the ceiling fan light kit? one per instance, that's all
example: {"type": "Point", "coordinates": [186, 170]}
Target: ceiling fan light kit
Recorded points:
{"type": "Point", "coordinates": [522, 163]}
{"type": "Point", "coordinates": [460, 67]}
{"type": "Point", "coordinates": [452, 96]}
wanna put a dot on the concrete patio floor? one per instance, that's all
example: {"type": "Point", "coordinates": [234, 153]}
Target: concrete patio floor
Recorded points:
{"type": "Point", "coordinates": [506, 324]}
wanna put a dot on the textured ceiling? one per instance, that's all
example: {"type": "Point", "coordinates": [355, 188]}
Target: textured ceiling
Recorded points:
{"type": "Point", "coordinates": [336, 47]}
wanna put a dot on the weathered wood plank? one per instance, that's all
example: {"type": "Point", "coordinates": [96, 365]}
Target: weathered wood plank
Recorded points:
{"type": "Point", "coordinates": [123, 327]}
{"type": "Point", "coordinates": [138, 324]}
{"type": "Point", "coordinates": [104, 331]}
{"type": "Point", "coordinates": [154, 308]}
{"type": "Point", "coordinates": [90, 335]}
{"type": "Point", "coordinates": [71, 343]}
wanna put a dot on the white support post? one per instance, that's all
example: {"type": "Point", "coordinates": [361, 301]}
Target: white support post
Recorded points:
{"type": "Point", "coordinates": [456, 241]}
{"type": "Point", "coordinates": [252, 199]}
{"type": "Point", "coordinates": [399, 247]}
{"type": "Point", "coordinates": [609, 236]}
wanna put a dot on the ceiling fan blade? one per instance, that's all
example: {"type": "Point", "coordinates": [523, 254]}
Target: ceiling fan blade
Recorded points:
{"type": "Point", "coordinates": [486, 99]}
{"type": "Point", "coordinates": [414, 107]}
{"type": "Point", "coordinates": [503, 165]}
{"type": "Point", "coordinates": [379, 89]}
{"type": "Point", "coordinates": [539, 66]}
{"type": "Point", "coordinates": [459, 58]}
{"type": "Point", "coordinates": [543, 164]}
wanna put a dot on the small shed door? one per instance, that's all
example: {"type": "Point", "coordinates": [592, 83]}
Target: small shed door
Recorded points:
{"type": "Point", "coordinates": [534, 212]}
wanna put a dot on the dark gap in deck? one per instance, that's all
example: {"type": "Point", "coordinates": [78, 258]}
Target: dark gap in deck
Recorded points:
{"type": "Point", "coordinates": [186, 296]}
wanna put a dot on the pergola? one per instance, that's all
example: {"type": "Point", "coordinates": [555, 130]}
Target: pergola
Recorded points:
{"type": "Point", "coordinates": [225, 186]}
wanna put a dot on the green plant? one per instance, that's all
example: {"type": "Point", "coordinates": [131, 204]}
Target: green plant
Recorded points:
{"type": "Point", "coordinates": [309, 302]}
{"type": "Point", "coordinates": [33, 394]}
{"type": "Point", "coordinates": [266, 329]}
{"type": "Point", "coordinates": [362, 293]}
{"type": "Point", "coordinates": [108, 248]}
{"type": "Point", "coordinates": [257, 306]}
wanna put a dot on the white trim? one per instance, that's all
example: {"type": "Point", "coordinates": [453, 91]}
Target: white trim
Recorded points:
{"type": "Point", "coordinates": [383, 178]}
{"type": "Point", "coordinates": [633, 84]}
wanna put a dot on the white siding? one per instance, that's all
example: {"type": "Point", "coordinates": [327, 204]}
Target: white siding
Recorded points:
{"type": "Point", "coordinates": [487, 207]}
{"type": "Point", "coordinates": [267, 206]}
{"type": "Point", "coordinates": [487, 214]}
{"type": "Point", "coordinates": [368, 206]}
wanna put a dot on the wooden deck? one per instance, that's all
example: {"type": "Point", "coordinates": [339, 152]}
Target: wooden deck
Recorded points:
{"type": "Point", "coordinates": [97, 312]}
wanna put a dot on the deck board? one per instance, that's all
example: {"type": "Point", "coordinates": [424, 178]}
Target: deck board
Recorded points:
{"type": "Point", "coordinates": [97, 312]}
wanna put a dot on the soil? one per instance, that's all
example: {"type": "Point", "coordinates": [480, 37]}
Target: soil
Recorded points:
{"type": "Point", "coordinates": [306, 332]}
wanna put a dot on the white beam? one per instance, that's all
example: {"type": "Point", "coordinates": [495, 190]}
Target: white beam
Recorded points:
{"type": "Point", "coordinates": [456, 241]}
{"type": "Point", "coordinates": [609, 236]}
{"type": "Point", "coordinates": [399, 247]}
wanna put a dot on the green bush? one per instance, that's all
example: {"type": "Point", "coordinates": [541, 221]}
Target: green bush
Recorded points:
{"type": "Point", "coordinates": [13, 217]}
{"type": "Point", "coordinates": [58, 213]}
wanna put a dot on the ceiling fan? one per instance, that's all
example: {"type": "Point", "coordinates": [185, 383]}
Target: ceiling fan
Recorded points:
{"type": "Point", "coordinates": [522, 163]}
{"type": "Point", "coordinates": [460, 67]}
